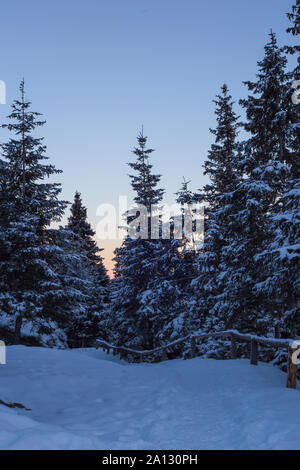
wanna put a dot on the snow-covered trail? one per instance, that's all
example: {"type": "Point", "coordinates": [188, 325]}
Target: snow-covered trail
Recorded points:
{"type": "Point", "coordinates": [87, 400]}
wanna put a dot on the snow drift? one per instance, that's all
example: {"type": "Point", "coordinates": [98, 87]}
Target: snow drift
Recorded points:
{"type": "Point", "coordinates": [84, 399]}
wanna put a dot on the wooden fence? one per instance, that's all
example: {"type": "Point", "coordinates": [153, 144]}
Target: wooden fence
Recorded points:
{"type": "Point", "coordinates": [233, 335]}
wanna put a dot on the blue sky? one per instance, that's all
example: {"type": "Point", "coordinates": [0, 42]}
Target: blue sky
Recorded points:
{"type": "Point", "coordinates": [98, 70]}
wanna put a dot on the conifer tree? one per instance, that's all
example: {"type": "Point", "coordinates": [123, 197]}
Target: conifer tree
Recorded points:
{"type": "Point", "coordinates": [294, 77]}
{"type": "Point", "coordinates": [81, 299]}
{"type": "Point", "coordinates": [185, 198]}
{"type": "Point", "coordinates": [264, 164]}
{"type": "Point", "coordinates": [79, 225]}
{"type": "Point", "coordinates": [32, 204]}
{"type": "Point", "coordinates": [144, 182]}
{"type": "Point", "coordinates": [294, 29]}
{"type": "Point", "coordinates": [281, 256]}
{"type": "Point", "coordinates": [221, 167]}
{"type": "Point", "coordinates": [188, 302]}
{"type": "Point", "coordinates": [85, 274]}
{"type": "Point", "coordinates": [136, 259]}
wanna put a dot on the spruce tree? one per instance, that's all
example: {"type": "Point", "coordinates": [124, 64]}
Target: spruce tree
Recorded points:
{"type": "Point", "coordinates": [294, 29]}
{"type": "Point", "coordinates": [32, 204]}
{"type": "Point", "coordinates": [162, 305]}
{"type": "Point", "coordinates": [264, 164]}
{"type": "Point", "coordinates": [294, 76]}
{"type": "Point", "coordinates": [185, 198]}
{"type": "Point", "coordinates": [221, 167]}
{"type": "Point", "coordinates": [281, 256]}
{"type": "Point", "coordinates": [136, 259]}
{"type": "Point", "coordinates": [187, 321]}
{"type": "Point", "coordinates": [79, 225]}
{"type": "Point", "coordinates": [81, 298]}
{"type": "Point", "coordinates": [144, 182]}
{"type": "Point", "coordinates": [85, 274]}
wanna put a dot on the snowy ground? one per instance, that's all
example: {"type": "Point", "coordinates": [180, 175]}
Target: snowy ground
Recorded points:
{"type": "Point", "coordinates": [87, 400]}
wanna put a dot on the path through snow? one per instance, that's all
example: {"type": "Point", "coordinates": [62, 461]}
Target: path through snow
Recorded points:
{"type": "Point", "coordinates": [88, 400]}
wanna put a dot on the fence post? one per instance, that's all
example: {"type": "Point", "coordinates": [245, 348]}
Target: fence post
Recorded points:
{"type": "Point", "coordinates": [232, 347]}
{"type": "Point", "coordinates": [122, 354]}
{"type": "Point", "coordinates": [291, 367]}
{"type": "Point", "coordinates": [193, 347]}
{"type": "Point", "coordinates": [164, 355]}
{"type": "Point", "coordinates": [253, 352]}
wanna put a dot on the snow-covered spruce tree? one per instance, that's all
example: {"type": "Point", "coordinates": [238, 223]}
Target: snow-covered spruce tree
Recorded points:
{"type": "Point", "coordinates": [185, 198]}
{"type": "Point", "coordinates": [28, 283]}
{"type": "Point", "coordinates": [163, 302]}
{"type": "Point", "coordinates": [87, 271]}
{"type": "Point", "coordinates": [79, 225]}
{"type": "Point", "coordinates": [133, 270]}
{"type": "Point", "coordinates": [221, 167]}
{"type": "Point", "coordinates": [188, 267]}
{"type": "Point", "coordinates": [147, 302]}
{"type": "Point", "coordinates": [144, 182]}
{"type": "Point", "coordinates": [293, 77]}
{"type": "Point", "coordinates": [134, 266]}
{"type": "Point", "coordinates": [281, 256]}
{"type": "Point", "coordinates": [264, 165]}
{"type": "Point", "coordinates": [79, 302]}
{"type": "Point", "coordinates": [294, 29]}
{"type": "Point", "coordinates": [5, 245]}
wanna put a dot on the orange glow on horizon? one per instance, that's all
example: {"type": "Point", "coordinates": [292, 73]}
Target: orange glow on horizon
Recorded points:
{"type": "Point", "coordinates": [108, 253]}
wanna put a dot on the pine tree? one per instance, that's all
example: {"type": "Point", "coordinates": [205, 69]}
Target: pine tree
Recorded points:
{"type": "Point", "coordinates": [264, 164]}
{"type": "Point", "coordinates": [136, 260]}
{"type": "Point", "coordinates": [268, 111]}
{"type": "Point", "coordinates": [79, 225]}
{"type": "Point", "coordinates": [185, 198]}
{"type": "Point", "coordinates": [294, 76]}
{"type": "Point", "coordinates": [188, 301]}
{"type": "Point", "coordinates": [294, 29]}
{"type": "Point", "coordinates": [32, 204]}
{"type": "Point", "coordinates": [85, 274]}
{"type": "Point", "coordinates": [221, 167]}
{"type": "Point", "coordinates": [133, 271]}
{"type": "Point", "coordinates": [281, 257]}
{"type": "Point", "coordinates": [80, 300]}
{"type": "Point", "coordinates": [162, 305]}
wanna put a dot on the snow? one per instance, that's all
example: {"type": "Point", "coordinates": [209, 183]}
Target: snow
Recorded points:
{"type": "Point", "coordinates": [86, 399]}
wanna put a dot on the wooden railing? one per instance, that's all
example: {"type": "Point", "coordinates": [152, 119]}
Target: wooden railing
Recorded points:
{"type": "Point", "coordinates": [233, 335]}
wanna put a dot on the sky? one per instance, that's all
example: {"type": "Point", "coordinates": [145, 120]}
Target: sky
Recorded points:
{"type": "Point", "coordinates": [100, 70]}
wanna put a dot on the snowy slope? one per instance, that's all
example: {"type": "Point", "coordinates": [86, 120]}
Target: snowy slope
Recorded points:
{"type": "Point", "coordinates": [87, 400]}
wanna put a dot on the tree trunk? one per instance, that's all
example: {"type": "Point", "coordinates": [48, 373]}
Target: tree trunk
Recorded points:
{"type": "Point", "coordinates": [253, 354]}
{"type": "Point", "coordinates": [233, 347]}
{"type": "Point", "coordinates": [193, 347]}
{"type": "Point", "coordinates": [18, 326]}
{"type": "Point", "coordinates": [291, 368]}
{"type": "Point", "coordinates": [164, 355]}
